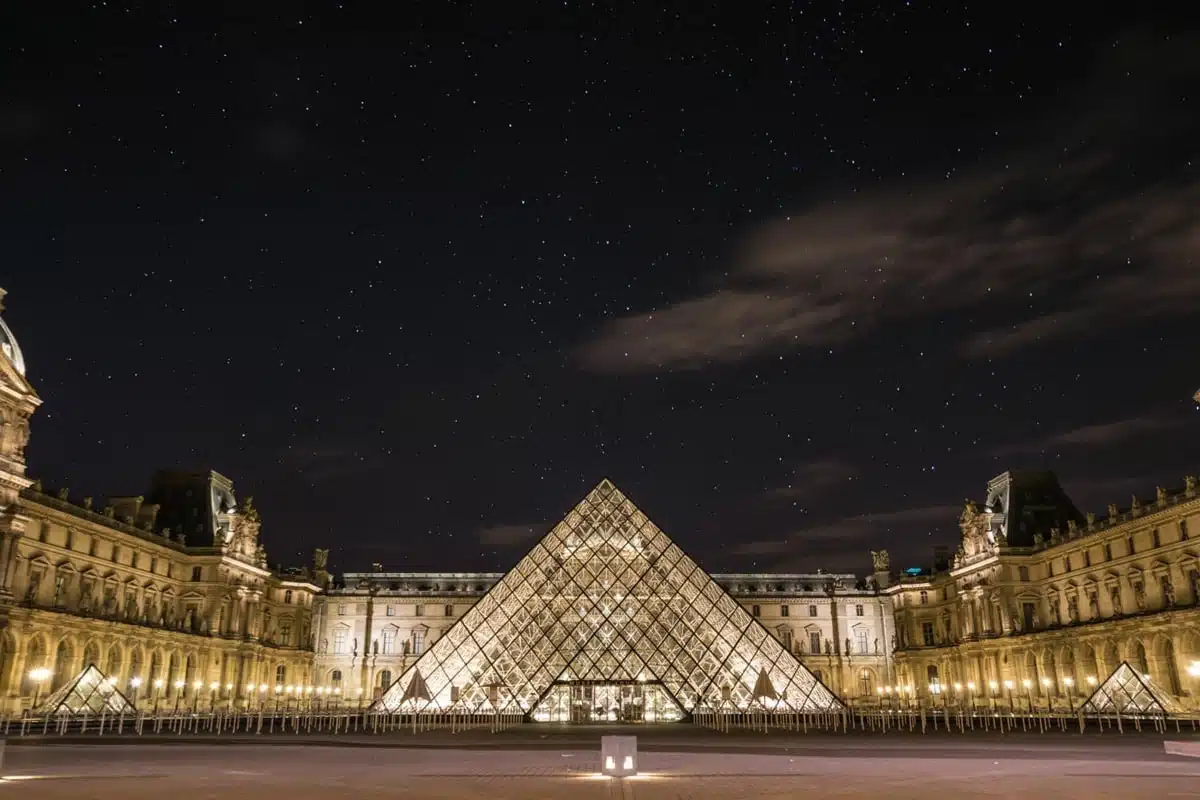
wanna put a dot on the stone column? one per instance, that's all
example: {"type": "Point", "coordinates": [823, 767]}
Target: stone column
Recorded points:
{"type": "Point", "coordinates": [364, 672]}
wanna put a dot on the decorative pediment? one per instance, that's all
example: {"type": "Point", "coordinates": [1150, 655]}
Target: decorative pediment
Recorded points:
{"type": "Point", "coordinates": [192, 595]}
{"type": "Point", "coordinates": [39, 560]}
{"type": "Point", "coordinates": [88, 572]}
{"type": "Point", "coordinates": [130, 581]}
{"type": "Point", "coordinates": [66, 566]}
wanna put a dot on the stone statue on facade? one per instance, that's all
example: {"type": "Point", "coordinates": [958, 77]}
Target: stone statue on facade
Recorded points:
{"type": "Point", "coordinates": [1160, 495]}
{"type": "Point", "coordinates": [1055, 611]}
{"type": "Point", "coordinates": [880, 560]}
{"type": "Point", "coordinates": [1139, 596]}
{"type": "Point", "coordinates": [1168, 592]}
{"type": "Point", "coordinates": [1073, 609]}
{"type": "Point", "coordinates": [1116, 602]}
{"type": "Point", "coordinates": [320, 559]}
{"type": "Point", "coordinates": [1189, 485]}
{"type": "Point", "coordinates": [1113, 513]}
{"type": "Point", "coordinates": [847, 650]}
{"type": "Point", "coordinates": [1094, 604]}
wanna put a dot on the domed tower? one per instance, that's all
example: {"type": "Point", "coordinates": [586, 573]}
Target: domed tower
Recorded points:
{"type": "Point", "coordinates": [18, 401]}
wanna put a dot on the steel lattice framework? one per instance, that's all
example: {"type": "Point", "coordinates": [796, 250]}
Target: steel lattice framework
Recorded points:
{"type": "Point", "coordinates": [91, 692]}
{"type": "Point", "coordinates": [606, 596]}
{"type": "Point", "coordinates": [1127, 692]}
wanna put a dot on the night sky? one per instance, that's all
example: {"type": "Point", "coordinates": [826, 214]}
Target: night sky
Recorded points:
{"type": "Point", "coordinates": [798, 278]}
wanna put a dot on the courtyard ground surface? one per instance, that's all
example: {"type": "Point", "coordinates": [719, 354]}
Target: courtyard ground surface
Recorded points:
{"type": "Point", "coordinates": [678, 762]}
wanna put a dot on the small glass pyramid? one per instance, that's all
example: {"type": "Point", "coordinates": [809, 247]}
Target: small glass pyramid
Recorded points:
{"type": "Point", "coordinates": [607, 610]}
{"type": "Point", "coordinates": [91, 692]}
{"type": "Point", "coordinates": [1127, 692]}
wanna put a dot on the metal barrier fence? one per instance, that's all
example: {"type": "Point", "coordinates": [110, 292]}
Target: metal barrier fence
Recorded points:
{"type": "Point", "coordinates": [925, 720]}
{"type": "Point", "coordinates": [340, 722]}
{"type": "Point", "coordinates": [252, 723]}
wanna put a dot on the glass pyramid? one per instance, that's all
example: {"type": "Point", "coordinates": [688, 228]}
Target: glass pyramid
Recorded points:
{"type": "Point", "coordinates": [605, 602]}
{"type": "Point", "coordinates": [1127, 692]}
{"type": "Point", "coordinates": [90, 693]}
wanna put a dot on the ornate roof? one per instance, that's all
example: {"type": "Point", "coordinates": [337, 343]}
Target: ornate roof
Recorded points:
{"type": "Point", "coordinates": [8, 344]}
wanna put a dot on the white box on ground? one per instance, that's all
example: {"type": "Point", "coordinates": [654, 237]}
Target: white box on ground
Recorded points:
{"type": "Point", "coordinates": [618, 756]}
{"type": "Point", "coordinates": [1185, 748]}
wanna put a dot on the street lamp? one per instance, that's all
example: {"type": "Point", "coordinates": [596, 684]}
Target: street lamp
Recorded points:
{"type": "Point", "coordinates": [1194, 667]}
{"type": "Point", "coordinates": [158, 685]}
{"type": "Point", "coordinates": [38, 675]}
{"type": "Point", "coordinates": [1008, 686]}
{"type": "Point", "coordinates": [1046, 685]}
{"type": "Point", "coordinates": [1069, 682]}
{"type": "Point", "coordinates": [135, 682]}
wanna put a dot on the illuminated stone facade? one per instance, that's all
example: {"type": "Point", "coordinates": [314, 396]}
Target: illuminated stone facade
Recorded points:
{"type": "Point", "coordinates": [1041, 601]}
{"type": "Point", "coordinates": [168, 593]}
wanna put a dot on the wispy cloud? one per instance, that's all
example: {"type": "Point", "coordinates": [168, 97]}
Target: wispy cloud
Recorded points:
{"type": "Point", "coordinates": [1104, 434]}
{"type": "Point", "coordinates": [512, 534]}
{"type": "Point", "coordinates": [814, 478]}
{"type": "Point", "coordinates": [1063, 222]}
{"type": "Point", "coordinates": [857, 529]}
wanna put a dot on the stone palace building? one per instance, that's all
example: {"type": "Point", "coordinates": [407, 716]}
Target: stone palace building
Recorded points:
{"type": "Point", "coordinates": [170, 595]}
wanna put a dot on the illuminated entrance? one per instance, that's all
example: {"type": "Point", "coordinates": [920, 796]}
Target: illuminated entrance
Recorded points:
{"type": "Point", "coordinates": [606, 619]}
{"type": "Point", "coordinates": [609, 701]}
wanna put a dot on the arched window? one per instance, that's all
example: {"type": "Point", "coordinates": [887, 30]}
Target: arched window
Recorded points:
{"type": "Point", "coordinates": [280, 674]}
{"type": "Point", "coordinates": [335, 679]}
{"type": "Point", "coordinates": [385, 678]}
{"type": "Point", "coordinates": [287, 596]}
{"type": "Point", "coordinates": [866, 683]}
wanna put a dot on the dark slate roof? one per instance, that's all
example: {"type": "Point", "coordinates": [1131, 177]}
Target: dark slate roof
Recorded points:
{"type": "Point", "coordinates": [192, 503]}
{"type": "Point", "coordinates": [1031, 502]}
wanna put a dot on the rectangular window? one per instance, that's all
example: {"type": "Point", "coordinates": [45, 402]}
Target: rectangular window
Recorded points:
{"type": "Point", "coordinates": [1129, 550]}
{"type": "Point", "coordinates": [1023, 574]}
{"type": "Point", "coordinates": [756, 610]}
{"type": "Point", "coordinates": [339, 641]}
{"type": "Point", "coordinates": [785, 636]}
{"type": "Point", "coordinates": [341, 609]}
{"type": "Point", "coordinates": [858, 612]}
{"type": "Point", "coordinates": [927, 633]}
{"type": "Point", "coordinates": [389, 641]}
{"type": "Point", "coordinates": [116, 554]}
{"type": "Point", "coordinates": [783, 611]}
{"type": "Point", "coordinates": [285, 634]}
{"type": "Point", "coordinates": [391, 611]}
{"type": "Point", "coordinates": [924, 598]}
{"type": "Point", "coordinates": [1027, 613]}
{"type": "Point", "coordinates": [197, 573]}
{"type": "Point", "coordinates": [448, 611]}
{"type": "Point", "coordinates": [860, 638]}
{"type": "Point", "coordinates": [812, 611]}
{"type": "Point", "coordinates": [419, 611]}
{"type": "Point", "coordinates": [1154, 540]}
{"type": "Point", "coordinates": [1087, 558]}
{"type": "Point", "coordinates": [1183, 529]}
{"type": "Point", "coordinates": [814, 643]}
{"type": "Point", "coordinates": [1107, 551]}
{"type": "Point", "coordinates": [418, 640]}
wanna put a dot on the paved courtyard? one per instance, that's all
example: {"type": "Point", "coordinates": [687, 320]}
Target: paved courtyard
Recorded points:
{"type": "Point", "coordinates": [679, 764]}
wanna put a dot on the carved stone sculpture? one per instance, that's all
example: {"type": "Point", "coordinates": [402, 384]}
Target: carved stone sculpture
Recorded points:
{"type": "Point", "coordinates": [1168, 592]}
{"type": "Point", "coordinates": [1139, 596]}
{"type": "Point", "coordinates": [1116, 602]}
{"type": "Point", "coordinates": [880, 560]}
